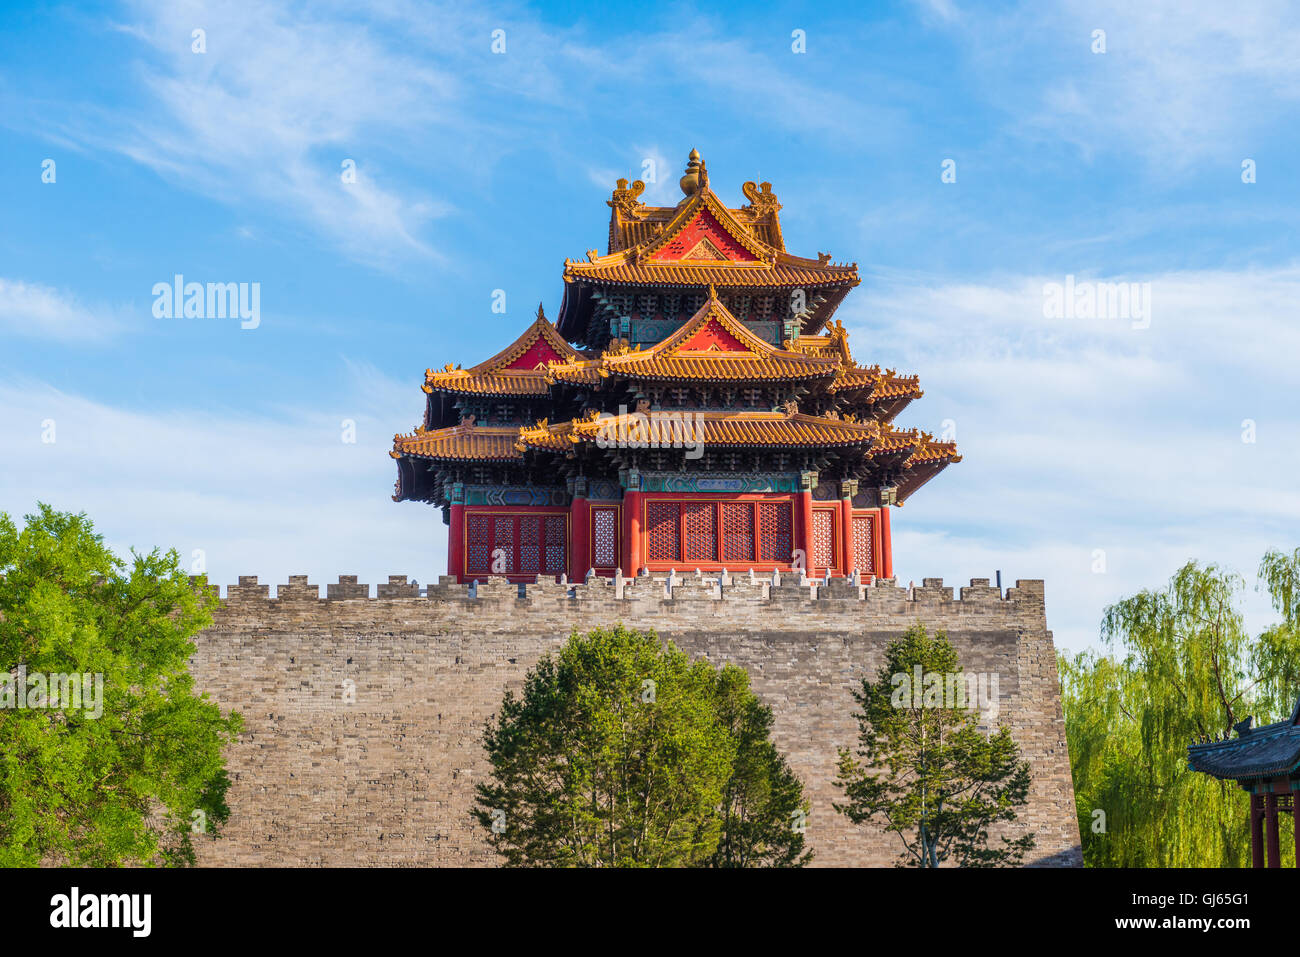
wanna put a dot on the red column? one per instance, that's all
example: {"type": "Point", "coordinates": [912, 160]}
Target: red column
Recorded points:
{"type": "Point", "coordinates": [579, 538]}
{"type": "Point", "coordinates": [846, 535]}
{"type": "Point", "coordinates": [1256, 830]}
{"type": "Point", "coordinates": [886, 545]}
{"type": "Point", "coordinates": [806, 525]}
{"type": "Point", "coordinates": [877, 557]}
{"type": "Point", "coordinates": [631, 532]}
{"type": "Point", "coordinates": [456, 542]}
{"type": "Point", "coordinates": [1270, 811]}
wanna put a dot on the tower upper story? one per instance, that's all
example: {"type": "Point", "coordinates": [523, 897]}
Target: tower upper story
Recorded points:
{"type": "Point", "coordinates": [661, 260]}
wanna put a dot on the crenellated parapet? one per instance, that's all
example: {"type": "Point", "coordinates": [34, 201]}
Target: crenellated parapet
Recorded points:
{"type": "Point", "coordinates": [878, 596]}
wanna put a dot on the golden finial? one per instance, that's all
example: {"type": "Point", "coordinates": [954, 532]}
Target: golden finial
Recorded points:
{"type": "Point", "coordinates": [691, 181]}
{"type": "Point", "coordinates": [541, 316]}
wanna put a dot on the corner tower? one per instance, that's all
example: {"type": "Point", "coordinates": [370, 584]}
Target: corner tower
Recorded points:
{"type": "Point", "coordinates": [694, 406]}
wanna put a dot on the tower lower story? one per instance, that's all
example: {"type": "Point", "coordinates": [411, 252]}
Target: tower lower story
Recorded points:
{"type": "Point", "coordinates": [660, 523]}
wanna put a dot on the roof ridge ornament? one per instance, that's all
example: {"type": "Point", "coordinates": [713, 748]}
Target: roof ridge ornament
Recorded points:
{"type": "Point", "coordinates": [695, 176]}
{"type": "Point", "coordinates": [625, 197]}
{"type": "Point", "coordinates": [760, 196]}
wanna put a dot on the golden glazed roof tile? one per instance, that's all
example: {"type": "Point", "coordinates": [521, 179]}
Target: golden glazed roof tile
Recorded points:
{"type": "Point", "coordinates": [460, 443]}
{"type": "Point", "coordinates": [621, 269]}
{"type": "Point", "coordinates": [519, 369]}
{"type": "Point", "coordinates": [852, 377]}
{"type": "Point", "coordinates": [644, 241]}
{"type": "Point", "coordinates": [713, 345]}
{"type": "Point", "coordinates": [930, 451]}
{"type": "Point", "coordinates": [834, 344]}
{"type": "Point", "coordinates": [885, 384]}
{"type": "Point", "coordinates": [741, 429]}
{"type": "Point", "coordinates": [633, 223]}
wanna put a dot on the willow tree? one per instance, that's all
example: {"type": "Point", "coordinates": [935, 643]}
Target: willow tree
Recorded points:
{"type": "Point", "coordinates": [1180, 667]}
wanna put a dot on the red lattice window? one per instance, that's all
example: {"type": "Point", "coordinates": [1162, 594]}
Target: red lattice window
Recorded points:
{"type": "Point", "coordinates": [737, 532]}
{"type": "Point", "coordinates": [554, 544]}
{"type": "Point", "coordinates": [700, 526]}
{"type": "Point", "coordinates": [503, 542]}
{"type": "Point", "coordinates": [863, 543]}
{"type": "Point", "coordinates": [823, 538]}
{"type": "Point", "coordinates": [604, 537]}
{"type": "Point", "coordinates": [663, 540]}
{"type": "Point", "coordinates": [515, 544]}
{"type": "Point", "coordinates": [774, 528]}
{"type": "Point", "coordinates": [530, 545]}
{"type": "Point", "coordinates": [477, 534]}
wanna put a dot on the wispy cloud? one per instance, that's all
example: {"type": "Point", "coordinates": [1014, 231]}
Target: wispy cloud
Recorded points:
{"type": "Point", "coordinates": [1179, 81]}
{"type": "Point", "coordinates": [1149, 446]}
{"type": "Point", "coordinates": [280, 97]}
{"type": "Point", "coordinates": [275, 493]}
{"type": "Point", "coordinates": [37, 311]}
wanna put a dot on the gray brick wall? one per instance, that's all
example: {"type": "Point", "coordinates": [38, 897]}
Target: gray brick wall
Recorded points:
{"type": "Point", "coordinates": [388, 778]}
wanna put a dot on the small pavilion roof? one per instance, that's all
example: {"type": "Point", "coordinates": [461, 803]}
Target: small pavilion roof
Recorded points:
{"type": "Point", "coordinates": [701, 241]}
{"type": "Point", "coordinates": [713, 345]}
{"type": "Point", "coordinates": [632, 222]}
{"type": "Point", "coordinates": [1271, 750]}
{"type": "Point", "coordinates": [698, 242]}
{"type": "Point", "coordinates": [517, 370]}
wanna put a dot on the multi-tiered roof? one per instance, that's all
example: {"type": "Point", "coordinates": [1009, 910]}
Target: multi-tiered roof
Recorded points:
{"type": "Point", "coordinates": [695, 309]}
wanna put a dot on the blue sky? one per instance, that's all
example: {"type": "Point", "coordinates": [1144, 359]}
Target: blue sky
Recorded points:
{"type": "Point", "coordinates": [479, 171]}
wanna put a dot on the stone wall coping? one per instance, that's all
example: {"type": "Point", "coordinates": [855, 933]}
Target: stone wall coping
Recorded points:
{"type": "Point", "coordinates": [689, 587]}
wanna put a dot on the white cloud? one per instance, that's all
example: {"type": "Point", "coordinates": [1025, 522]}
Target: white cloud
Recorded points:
{"type": "Point", "coordinates": [941, 10]}
{"type": "Point", "coordinates": [283, 95]}
{"type": "Point", "coordinates": [1180, 81]}
{"type": "Point", "coordinates": [269, 495]}
{"type": "Point", "coordinates": [1088, 434]}
{"type": "Point", "coordinates": [37, 311]}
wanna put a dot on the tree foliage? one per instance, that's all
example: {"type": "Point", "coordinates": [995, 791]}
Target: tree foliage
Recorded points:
{"type": "Point", "coordinates": [925, 771]}
{"type": "Point", "coordinates": [622, 752]}
{"type": "Point", "coordinates": [122, 787]}
{"type": "Point", "coordinates": [1180, 668]}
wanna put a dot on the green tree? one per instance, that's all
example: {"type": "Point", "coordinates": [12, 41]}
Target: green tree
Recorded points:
{"type": "Point", "coordinates": [622, 752]}
{"type": "Point", "coordinates": [1180, 667]}
{"type": "Point", "coordinates": [763, 808]}
{"type": "Point", "coordinates": [121, 787]}
{"type": "Point", "coordinates": [923, 768]}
